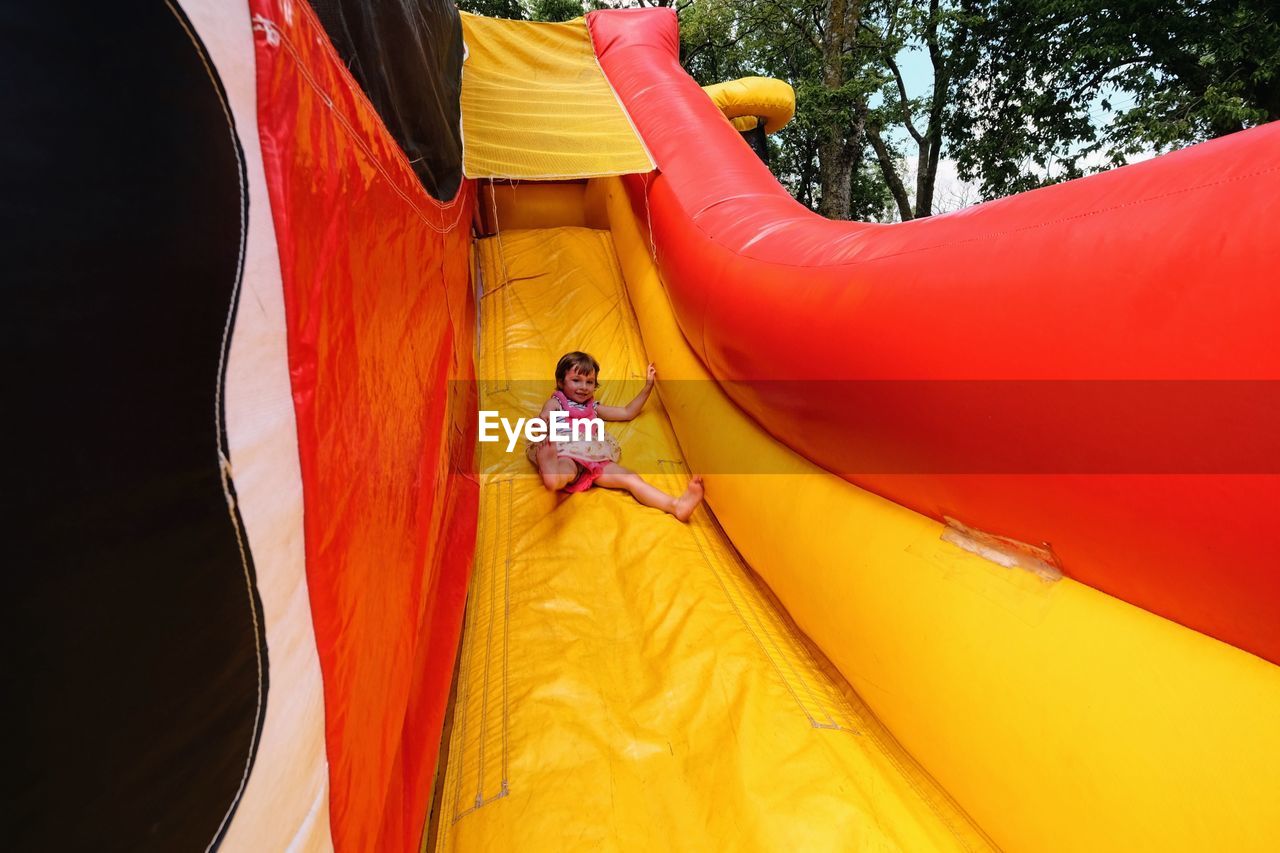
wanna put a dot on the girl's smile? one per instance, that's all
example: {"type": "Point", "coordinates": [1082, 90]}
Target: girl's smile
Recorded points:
{"type": "Point", "coordinates": [579, 386]}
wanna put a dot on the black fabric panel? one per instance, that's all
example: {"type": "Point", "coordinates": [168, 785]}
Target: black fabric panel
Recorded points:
{"type": "Point", "coordinates": [407, 55]}
{"type": "Point", "coordinates": [134, 662]}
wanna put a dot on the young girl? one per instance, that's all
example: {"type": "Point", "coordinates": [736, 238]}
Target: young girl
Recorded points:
{"type": "Point", "coordinates": [576, 466]}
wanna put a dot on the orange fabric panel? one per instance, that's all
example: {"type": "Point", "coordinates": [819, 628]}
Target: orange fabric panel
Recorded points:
{"type": "Point", "coordinates": [376, 276]}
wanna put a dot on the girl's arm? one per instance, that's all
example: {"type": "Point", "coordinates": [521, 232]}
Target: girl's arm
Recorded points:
{"type": "Point", "coordinates": [552, 405]}
{"type": "Point", "coordinates": [629, 411]}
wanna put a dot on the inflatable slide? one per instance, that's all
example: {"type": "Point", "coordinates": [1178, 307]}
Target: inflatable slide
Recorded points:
{"type": "Point", "coordinates": [987, 557]}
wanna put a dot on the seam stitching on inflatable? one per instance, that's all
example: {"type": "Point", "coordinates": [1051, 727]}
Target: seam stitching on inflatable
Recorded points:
{"type": "Point", "coordinates": [488, 652]}
{"type": "Point", "coordinates": [462, 702]}
{"type": "Point", "coordinates": [483, 615]}
{"type": "Point", "coordinates": [746, 590]}
{"type": "Point", "coordinates": [759, 631]}
{"type": "Point", "coordinates": [506, 628]}
{"type": "Point", "coordinates": [500, 304]}
{"type": "Point", "coordinates": [492, 316]}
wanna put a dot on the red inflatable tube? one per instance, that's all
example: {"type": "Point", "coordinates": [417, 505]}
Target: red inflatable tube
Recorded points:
{"type": "Point", "coordinates": [1091, 366]}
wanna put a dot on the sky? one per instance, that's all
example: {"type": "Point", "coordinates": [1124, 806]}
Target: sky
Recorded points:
{"type": "Point", "coordinates": [950, 192]}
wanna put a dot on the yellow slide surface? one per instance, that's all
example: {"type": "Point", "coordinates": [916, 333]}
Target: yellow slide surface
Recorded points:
{"type": "Point", "coordinates": [625, 682]}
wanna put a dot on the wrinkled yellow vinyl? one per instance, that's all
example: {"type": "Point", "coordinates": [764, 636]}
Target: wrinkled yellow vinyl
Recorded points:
{"type": "Point", "coordinates": [535, 104]}
{"type": "Point", "coordinates": [625, 683]}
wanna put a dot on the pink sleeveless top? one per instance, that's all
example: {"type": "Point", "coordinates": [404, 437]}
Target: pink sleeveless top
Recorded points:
{"type": "Point", "coordinates": [577, 411]}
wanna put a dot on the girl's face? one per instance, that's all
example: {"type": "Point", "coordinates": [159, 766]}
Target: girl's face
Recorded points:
{"type": "Point", "coordinates": [579, 386]}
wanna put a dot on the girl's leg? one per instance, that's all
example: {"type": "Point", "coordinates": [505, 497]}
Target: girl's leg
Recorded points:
{"type": "Point", "coordinates": [617, 477]}
{"type": "Point", "coordinates": [557, 472]}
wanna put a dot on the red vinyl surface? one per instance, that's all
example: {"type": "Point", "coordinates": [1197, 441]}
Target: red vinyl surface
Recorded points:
{"type": "Point", "coordinates": [380, 321]}
{"type": "Point", "coordinates": [1092, 365]}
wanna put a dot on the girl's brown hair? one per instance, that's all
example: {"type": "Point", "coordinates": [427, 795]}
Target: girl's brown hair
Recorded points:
{"type": "Point", "coordinates": [580, 360]}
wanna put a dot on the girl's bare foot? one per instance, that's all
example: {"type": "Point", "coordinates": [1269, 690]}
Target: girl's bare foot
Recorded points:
{"type": "Point", "coordinates": [688, 502]}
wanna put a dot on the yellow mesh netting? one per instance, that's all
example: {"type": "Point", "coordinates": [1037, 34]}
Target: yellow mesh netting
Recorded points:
{"type": "Point", "coordinates": [535, 104]}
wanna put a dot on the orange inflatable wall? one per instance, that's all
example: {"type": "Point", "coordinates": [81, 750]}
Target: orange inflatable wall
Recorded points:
{"type": "Point", "coordinates": [380, 328]}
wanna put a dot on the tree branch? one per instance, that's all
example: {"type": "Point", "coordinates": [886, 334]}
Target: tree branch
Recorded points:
{"type": "Point", "coordinates": [1096, 79]}
{"type": "Point", "coordinates": [902, 99]}
{"type": "Point", "coordinates": [890, 173]}
{"type": "Point", "coordinates": [723, 45]}
{"type": "Point", "coordinates": [815, 41]}
{"type": "Point", "coordinates": [931, 38]}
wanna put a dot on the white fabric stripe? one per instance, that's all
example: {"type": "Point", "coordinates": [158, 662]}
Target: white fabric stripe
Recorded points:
{"type": "Point", "coordinates": [285, 804]}
{"type": "Point", "coordinates": [223, 464]}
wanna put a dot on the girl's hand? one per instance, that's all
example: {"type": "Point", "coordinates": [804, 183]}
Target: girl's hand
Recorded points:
{"type": "Point", "coordinates": [650, 374]}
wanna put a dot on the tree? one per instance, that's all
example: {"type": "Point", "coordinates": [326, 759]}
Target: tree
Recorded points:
{"type": "Point", "coordinates": [512, 9]}
{"type": "Point", "coordinates": [532, 10]}
{"type": "Point", "coordinates": [843, 106]}
{"type": "Point", "coordinates": [843, 154]}
{"type": "Point", "coordinates": [816, 46]}
{"type": "Point", "coordinates": [942, 33]}
{"type": "Point", "coordinates": [555, 10]}
{"type": "Point", "coordinates": [1053, 89]}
